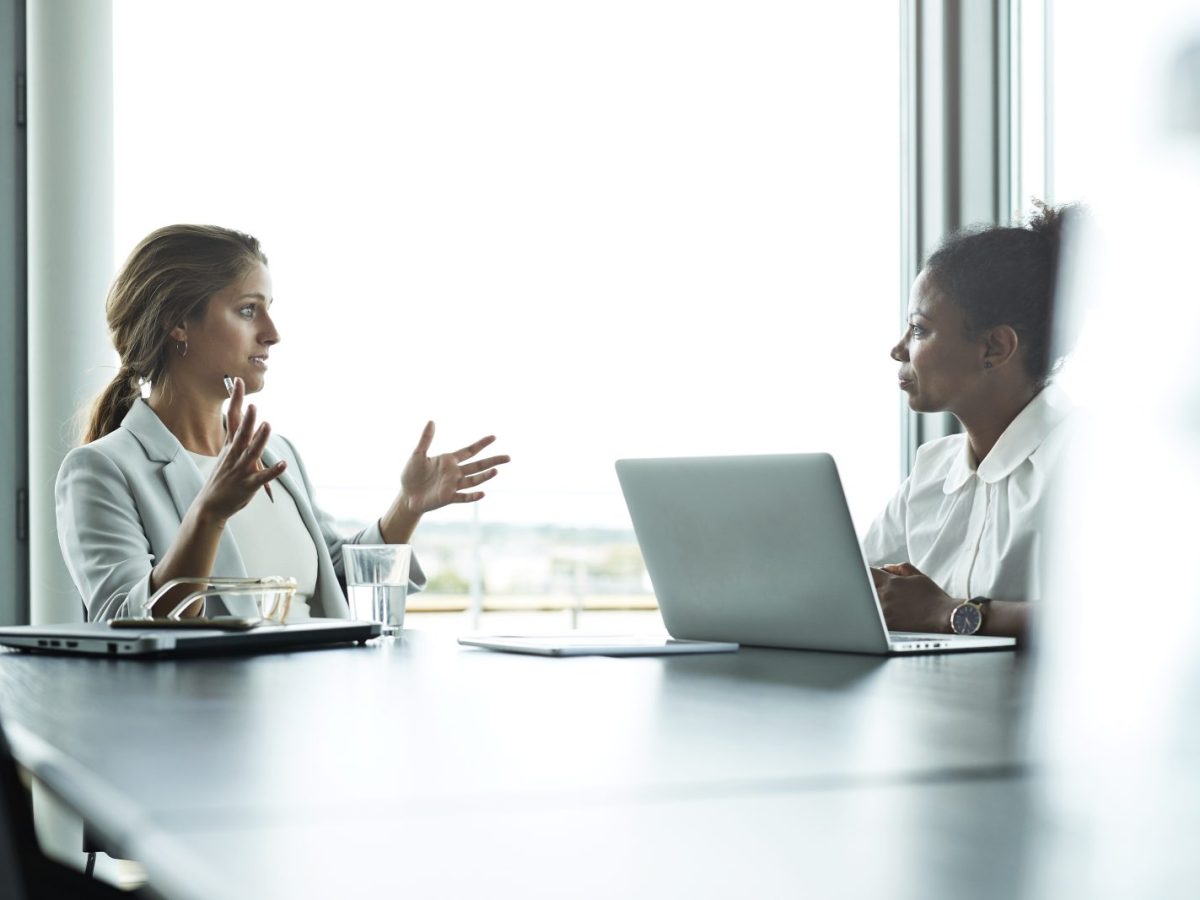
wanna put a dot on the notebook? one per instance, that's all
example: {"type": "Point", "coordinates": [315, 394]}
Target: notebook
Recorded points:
{"type": "Point", "coordinates": [101, 639]}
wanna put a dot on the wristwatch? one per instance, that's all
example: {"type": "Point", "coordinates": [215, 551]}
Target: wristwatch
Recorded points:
{"type": "Point", "coordinates": [967, 617]}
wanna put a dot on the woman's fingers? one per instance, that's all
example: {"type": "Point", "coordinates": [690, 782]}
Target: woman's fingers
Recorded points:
{"type": "Point", "coordinates": [245, 431]}
{"type": "Point", "coordinates": [901, 569]}
{"type": "Point", "coordinates": [490, 463]}
{"type": "Point", "coordinates": [257, 444]}
{"type": "Point", "coordinates": [269, 474]}
{"type": "Point", "coordinates": [472, 449]}
{"type": "Point", "coordinates": [248, 443]}
{"type": "Point", "coordinates": [472, 480]}
{"type": "Point", "coordinates": [233, 417]}
{"type": "Point", "coordinates": [425, 442]}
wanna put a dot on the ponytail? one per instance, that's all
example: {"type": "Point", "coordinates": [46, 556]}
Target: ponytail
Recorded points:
{"type": "Point", "coordinates": [111, 406]}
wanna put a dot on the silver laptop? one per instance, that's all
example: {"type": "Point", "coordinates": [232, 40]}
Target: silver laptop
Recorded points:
{"type": "Point", "coordinates": [761, 550]}
{"type": "Point", "coordinates": [101, 639]}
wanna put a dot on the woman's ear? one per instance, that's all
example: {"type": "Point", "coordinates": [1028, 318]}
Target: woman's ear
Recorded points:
{"type": "Point", "coordinates": [1000, 346]}
{"type": "Point", "coordinates": [178, 334]}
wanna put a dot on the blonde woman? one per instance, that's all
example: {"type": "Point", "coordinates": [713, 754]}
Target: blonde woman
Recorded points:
{"type": "Point", "coordinates": [167, 487]}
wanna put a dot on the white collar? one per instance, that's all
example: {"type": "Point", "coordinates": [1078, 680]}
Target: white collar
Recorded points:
{"type": "Point", "coordinates": [1018, 442]}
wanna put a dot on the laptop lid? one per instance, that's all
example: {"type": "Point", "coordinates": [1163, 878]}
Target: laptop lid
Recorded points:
{"type": "Point", "coordinates": [762, 550]}
{"type": "Point", "coordinates": [100, 639]}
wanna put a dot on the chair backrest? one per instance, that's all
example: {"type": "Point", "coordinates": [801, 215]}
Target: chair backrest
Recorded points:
{"type": "Point", "coordinates": [17, 838]}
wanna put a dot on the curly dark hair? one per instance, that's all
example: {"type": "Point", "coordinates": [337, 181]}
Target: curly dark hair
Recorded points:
{"type": "Point", "coordinates": [1006, 275]}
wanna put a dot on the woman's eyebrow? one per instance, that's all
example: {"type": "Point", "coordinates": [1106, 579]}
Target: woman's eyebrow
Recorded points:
{"type": "Point", "coordinates": [253, 295]}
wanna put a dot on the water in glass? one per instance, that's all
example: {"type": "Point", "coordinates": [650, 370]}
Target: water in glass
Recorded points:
{"type": "Point", "coordinates": [382, 603]}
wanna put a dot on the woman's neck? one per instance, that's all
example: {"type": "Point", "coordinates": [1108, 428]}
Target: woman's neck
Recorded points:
{"type": "Point", "coordinates": [985, 423]}
{"type": "Point", "coordinates": [194, 418]}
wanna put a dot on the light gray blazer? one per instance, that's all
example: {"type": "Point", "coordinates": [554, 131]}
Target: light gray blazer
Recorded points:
{"type": "Point", "coordinates": [121, 499]}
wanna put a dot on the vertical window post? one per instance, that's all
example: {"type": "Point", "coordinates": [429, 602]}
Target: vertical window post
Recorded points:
{"type": "Point", "coordinates": [954, 79]}
{"type": "Point", "coordinates": [14, 454]}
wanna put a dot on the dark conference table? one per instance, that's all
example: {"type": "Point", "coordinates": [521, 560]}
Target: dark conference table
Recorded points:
{"type": "Point", "coordinates": [416, 766]}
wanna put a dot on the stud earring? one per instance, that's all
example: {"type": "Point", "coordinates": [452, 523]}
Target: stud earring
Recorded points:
{"type": "Point", "coordinates": [987, 365]}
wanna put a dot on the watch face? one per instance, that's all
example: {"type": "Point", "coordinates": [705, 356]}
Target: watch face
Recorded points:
{"type": "Point", "coordinates": [966, 619]}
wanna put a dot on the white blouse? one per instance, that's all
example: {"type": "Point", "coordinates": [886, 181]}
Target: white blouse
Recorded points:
{"type": "Point", "coordinates": [272, 539]}
{"type": "Point", "coordinates": [976, 529]}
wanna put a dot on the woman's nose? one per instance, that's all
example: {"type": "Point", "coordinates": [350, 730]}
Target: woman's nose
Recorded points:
{"type": "Point", "coordinates": [270, 334]}
{"type": "Point", "coordinates": [900, 351]}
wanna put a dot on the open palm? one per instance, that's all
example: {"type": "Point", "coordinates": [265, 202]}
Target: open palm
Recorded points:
{"type": "Point", "coordinates": [431, 482]}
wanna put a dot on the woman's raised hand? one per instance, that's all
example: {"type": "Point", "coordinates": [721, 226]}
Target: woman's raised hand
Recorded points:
{"type": "Point", "coordinates": [239, 471]}
{"type": "Point", "coordinates": [431, 482]}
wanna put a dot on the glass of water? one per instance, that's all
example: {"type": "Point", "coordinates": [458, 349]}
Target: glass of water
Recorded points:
{"type": "Point", "coordinates": [377, 582]}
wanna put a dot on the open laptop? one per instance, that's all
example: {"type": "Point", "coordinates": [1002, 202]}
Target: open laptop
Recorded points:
{"type": "Point", "coordinates": [761, 550]}
{"type": "Point", "coordinates": [101, 639]}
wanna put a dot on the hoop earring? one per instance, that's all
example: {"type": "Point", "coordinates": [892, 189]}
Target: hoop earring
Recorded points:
{"type": "Point", "coordinates": [182, 345]}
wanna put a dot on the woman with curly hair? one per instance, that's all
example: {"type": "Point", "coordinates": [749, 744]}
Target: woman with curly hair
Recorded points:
{"type": "Point", "coordinates": [957, 549]}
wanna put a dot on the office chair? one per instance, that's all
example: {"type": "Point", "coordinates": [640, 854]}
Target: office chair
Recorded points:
{"type": "Point", "coordinates": [25, 872]}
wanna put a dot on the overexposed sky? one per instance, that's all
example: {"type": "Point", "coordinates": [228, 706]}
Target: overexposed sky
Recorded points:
{"type": "Point", "coordinates": [594, 229]}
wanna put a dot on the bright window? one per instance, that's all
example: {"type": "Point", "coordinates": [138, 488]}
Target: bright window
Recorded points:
{"type": "Point", "coordinates": [595, 229]}
{"type": "Point", "coordinates": [1062, 112]}
{"type": "Point", "coordinates": [1031, 107]}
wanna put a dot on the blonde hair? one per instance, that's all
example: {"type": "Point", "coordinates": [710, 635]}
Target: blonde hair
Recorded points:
{"type": "Point", "coordinates": [167, 279]}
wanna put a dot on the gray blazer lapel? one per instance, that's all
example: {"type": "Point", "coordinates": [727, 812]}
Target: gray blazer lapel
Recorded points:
{"type": "Point", "coordinates": [183, 482]}
{"type": "Point", "coordinates": [180, 474]}
{"type": "Point", "coordinates": [155, 437]}
{"type": "Point", "coordinates": [181, 477]}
